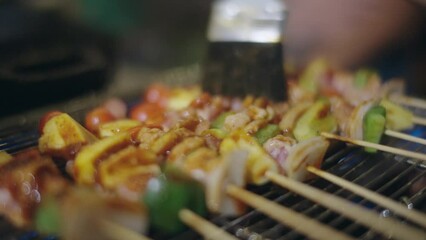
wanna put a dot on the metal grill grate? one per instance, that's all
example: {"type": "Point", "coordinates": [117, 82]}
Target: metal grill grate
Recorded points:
{"type": "Point", "coordinates": [397, 177]}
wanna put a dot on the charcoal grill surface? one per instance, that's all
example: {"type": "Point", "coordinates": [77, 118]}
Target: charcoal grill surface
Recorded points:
{"type": "Point", "coordinates": [397, 177]}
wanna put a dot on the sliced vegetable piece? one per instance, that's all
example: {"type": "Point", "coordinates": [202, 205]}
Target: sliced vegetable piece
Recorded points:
{"type": "Point", "coordinates": [151, 114]}
{"type": "Point", "coordinates": [218, 123]}
{"type": "Point", "coordinates": [166, 195]}
{"type": "Point", "coordinates": [157, 93]}
{"type": "Point", "coordinates": [96, 117]}
{"type": "Point", "coordinates": [316, 119]}
{"type": "Point", "coordinates": [185, 147]}
{"type": "Point", "coordinates": [4, 157]}
{"type": "Point", "coordinates": [117, 107]}
{"type": "Point", "coordinates": [62, 135]}
{"type": "Point", "coordinates": [308, 80]}
{"type": "Point", "coordinates": [166, 142]}
{"type": "Point", "coordinates": [111, 128]}
{"type": "Point", "coordinates": [374, 126]}
{"type": "Point", "coordinates": [181, 98]}
{"type": "Point", "coordinates": [259, 161]}
{"type": "Point", "coordinates": [128, 170]}
{"type": "Point", "coordinates": [87, 215]}
{"type": "Point", "coordinates": [48, 217]}
{"type": "Point", "coordinates": [229, 171]}
{"type": "Point", "coordinates": [46, 117]}
{"type": "Point", "coordinates": [217, 133]}
{"type": "Point", "coordinates": [84, 165]}
{"type": "Point", "coordinates": [362, 76]}
{"type": "Point", "coordinates": [289, 120]}
{"type": "Point", "coordinates": [397, 118]}
{"type": "Point", "coordinates": [306, 153]}
{"type": "Point", "coordinates": [267, 132]}
{"type": "Point", "coordinates": [355, 121]}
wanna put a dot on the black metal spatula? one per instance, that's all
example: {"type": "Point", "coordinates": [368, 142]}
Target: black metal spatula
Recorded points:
{"type": "Point", "coordinates": [245, 55]}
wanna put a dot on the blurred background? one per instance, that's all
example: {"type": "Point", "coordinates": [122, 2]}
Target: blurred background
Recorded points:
{"type": "Point", "coordinates": [54, 50]}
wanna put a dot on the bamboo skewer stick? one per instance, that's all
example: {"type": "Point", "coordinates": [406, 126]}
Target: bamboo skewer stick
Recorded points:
{"type": "Point", "coordinates": [204, 227]}
{"type": "Point", "coordinates": [415, 216]}
{"type": "Point", "coordinates": [389, 227]}
{"type": "Point", "coordinates": [118, 232]}
{"type": "Point", "coordinates": [300, 223]}
{"type": "Point", "coordinates": [380, 147]}
{"type": "Point", "coordinates": [409, 101]}
{"type": "Point", "coordinates": [405, 136]}
{"type": "Point", "coordinates": [419, 120]}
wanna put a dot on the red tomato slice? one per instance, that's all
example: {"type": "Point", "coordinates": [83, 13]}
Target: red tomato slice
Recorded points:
{"type": "Point", "coordinates": [158, 94]}
{"type": "Point", "coordinates": [201, 101]}
{"type": "Point", "coordinates": [97, 117]}
{"type": "Point", "coordinates": [149, 113]}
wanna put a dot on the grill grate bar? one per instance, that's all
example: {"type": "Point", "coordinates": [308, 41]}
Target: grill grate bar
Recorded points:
{"type": "Point", "coordinates": [382, 177]}
{"type": "Point", "coordinates": [403, 188]}
{"type": "Point", "coordinates": [303, 202]}
{"type": "Point", "coordinates": [19, 141]}
{"type": "Point", "coordinates": [407, 172]}
{"type": "Point", "coordinates": [327, 214]}
{"type": "Point", "coordinates": [352, 228]}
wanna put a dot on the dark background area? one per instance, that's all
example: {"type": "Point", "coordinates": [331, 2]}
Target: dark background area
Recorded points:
{"type": "Point", "coordinates": [54, 50]}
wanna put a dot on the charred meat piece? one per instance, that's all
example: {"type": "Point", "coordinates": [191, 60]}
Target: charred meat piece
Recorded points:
{"type": "Point", "coordinates": [23, 182]}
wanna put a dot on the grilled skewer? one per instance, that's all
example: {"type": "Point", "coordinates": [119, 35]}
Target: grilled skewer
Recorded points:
{"type": "Point", "coordinates": [408, 101]}
{"type": "Point", "coordinates": [109, 152]}
{"type": "Point", "coordinates": [300, 223]}
{"type": "Point", "coordinates": [404, 136]}
{"type": "Point", "coordinates": [380, 147]}
{"type": "Point", "coordinates": [118, 232]}
{"type": "Point", "coordinates": [36, 195]}
{"type": "Point", "coordinates": [386, 226]}
{"type": "Point", "coordinates": [411, 214]}
{"type": "Point", "coordinates": [204, 227]}
{"type": "Point", "coordinates": [419, 120]}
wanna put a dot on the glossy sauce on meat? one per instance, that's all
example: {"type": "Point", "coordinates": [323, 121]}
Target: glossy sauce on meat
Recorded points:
{"type": "Point", "coordinates": [23, 181]}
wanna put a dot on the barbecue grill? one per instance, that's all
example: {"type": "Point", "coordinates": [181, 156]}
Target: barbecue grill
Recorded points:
{"type": "Point", "coordinates": [397, 177]}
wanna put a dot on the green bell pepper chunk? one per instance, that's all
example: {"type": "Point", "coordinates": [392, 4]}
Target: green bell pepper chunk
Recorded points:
{"type": "Point", "coordinates": [267, 132]}
{"type": "Point", "coordinates": [316, 119]}
{"type": "Point", "coordinates": [47, 217]}
{"type": "Point", "coordinates": [166, 195]}
{"type": "Point", "coordinates": [362, 76]}
{"type": "Point", "coordinates": [374, 126]}
{"type": "Point", "coordinates": [308, 79]}
{"type": "Point", "coordinates": [220, 120]}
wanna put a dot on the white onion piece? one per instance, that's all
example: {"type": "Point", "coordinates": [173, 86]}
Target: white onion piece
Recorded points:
{"type": "Point", "coordinates": [230, 171]}
{"type": "Point", "coordinates": [278, 148]}
{"type": "Point", "coordinates": [306, 153]}
{"type": "Point", "coordinates": [341, 109]}
{"type": "Point", "coordinates": [355, 125]}
{"type": "Point", "coordinates": [394, 86]}
{"type": "Point", "coordinates": [84, 211]}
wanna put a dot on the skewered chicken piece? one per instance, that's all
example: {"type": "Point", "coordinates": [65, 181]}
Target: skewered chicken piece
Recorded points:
{"type": "Point", "coordinates": [24, 179]}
